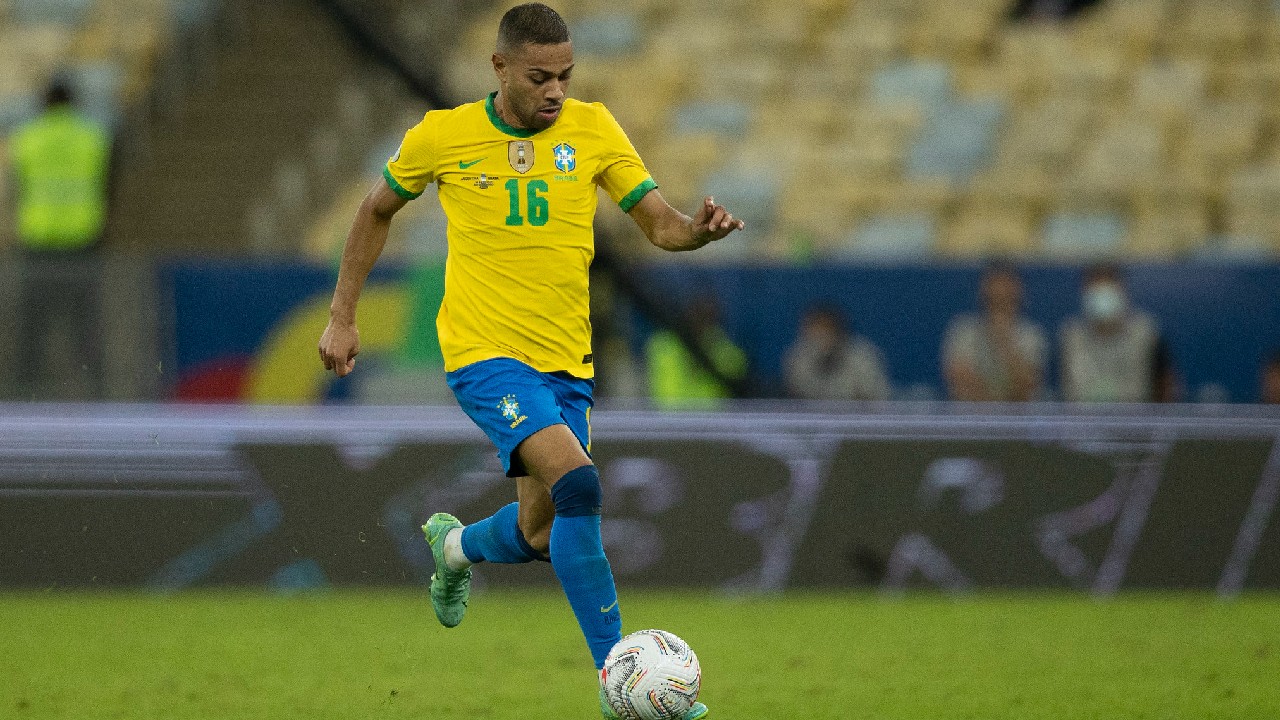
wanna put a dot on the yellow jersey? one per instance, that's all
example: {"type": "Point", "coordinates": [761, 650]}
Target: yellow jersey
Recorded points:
{"type": "Point", "coordinates": [520, 206]}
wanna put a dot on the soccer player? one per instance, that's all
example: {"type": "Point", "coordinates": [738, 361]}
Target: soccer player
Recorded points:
{"type": "Point", "coordinates": [517, 174]}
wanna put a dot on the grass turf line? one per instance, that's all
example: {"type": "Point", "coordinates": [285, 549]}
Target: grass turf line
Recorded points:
{"type": "Point", "coordinates": [380, 654]}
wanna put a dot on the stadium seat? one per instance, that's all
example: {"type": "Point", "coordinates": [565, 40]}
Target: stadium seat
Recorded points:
{"type": "Point", "coordinates": [751, 77]}
{"type": "Point", "coordinates": [726, 117]}
{"type": "Point", "coordinates": [869, 42]}
{"type": "Point", "coordinates": [990, 230]}
{"type": "Point", "coordinates": [1235, 248]}
{"type": "Point", "coordinates": [924, 85]}
{"type": "Point", "coordinates": [1251, 79]}
{"type": "Point", "coordinates": [1131, 27]}
{"type": "Point", "coordinates": [1080, 235]}
{"type": "Point", "coordinates": [1168, 232]}
{"type": "Point", "coordinates": [750, 194]}
{"type": "Point", "coordinates": [1044, 134]}
{"type": "Point", "coordinates": [1174, 88]}
{"type": "Point", "coordinates": [1252, 203]}
{"type": "Point", "coordinates": [51, 12]}
{"type": "Point", "coordinates": [39, 50]}
{"type": "Point", "coordinates": [865, 157]}
{"type": "Point", "coordinates": [1220, 30]}
{"type": "Point", "coordinates": [1126, 150]}
{"type": "Point", "coordinates": [15, 109]}
{"type": "Point", "coordinates": [191, 14]}
{"type": "Point", "coordinates": [959, 32]}
{"type": "Point", "coordinates": [908, 236]}
{"type": "Point", "coordinates": [1115, 133]}
{"type": "Point", "coordinates": [98, 86]}
{"type": "Point", "coordinates": [606, 35]}
{"type": "Point", "coordinates": [957, 141]}
{"type": "Point", "coordinates": [1092, 77]}
{"type": "Point", "coordinates": [1221, 137]}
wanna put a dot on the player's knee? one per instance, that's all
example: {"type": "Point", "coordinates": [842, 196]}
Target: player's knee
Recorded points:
{"type": "Point", "coordinates": [578, 492]}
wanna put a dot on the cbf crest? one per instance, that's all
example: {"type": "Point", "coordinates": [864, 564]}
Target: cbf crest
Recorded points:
{"type": "Point", "coordinates": [520, 155]}
{"type": "Point", "coordinates": [510, 408]}
{"type": "Point", "coordinates": [566, 157]}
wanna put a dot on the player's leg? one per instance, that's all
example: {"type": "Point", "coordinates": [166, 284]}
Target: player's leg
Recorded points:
{"type": "Point", "coordinates": [450, 583]}
{"type": "Point", "coordinates": [498, 538]}
{"type": "Point", "coordinates": [577, 553]}
{"type": "Point", "coordinates": [509, 401]}
{"type": "Point", "coordinates": [537, 512]}
{"type": "Point", "coordinates": [555, 457]}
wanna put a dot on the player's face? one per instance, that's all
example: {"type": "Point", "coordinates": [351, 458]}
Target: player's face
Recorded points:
{"type": "Point", "coordinates": [534, 81]}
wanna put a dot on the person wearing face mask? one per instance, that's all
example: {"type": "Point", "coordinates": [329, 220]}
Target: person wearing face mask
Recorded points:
{"type": "Point", "coordinates": [827, 362]}
{"type": "Point", "coordinates": [1113, 351]}
{"type": "Point", "coordinates": [998, 354]}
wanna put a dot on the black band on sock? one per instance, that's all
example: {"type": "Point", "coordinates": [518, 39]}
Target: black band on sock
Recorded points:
{"type": "Point", "coordinates": [578, 492]}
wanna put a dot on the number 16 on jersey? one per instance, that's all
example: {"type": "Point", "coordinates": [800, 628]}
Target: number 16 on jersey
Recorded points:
{"type": "Point", "coordinates": [537, 207]}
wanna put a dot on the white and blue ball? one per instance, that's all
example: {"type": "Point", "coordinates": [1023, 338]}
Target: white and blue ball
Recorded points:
{"type": "Point", "coordinates": [651, 675]}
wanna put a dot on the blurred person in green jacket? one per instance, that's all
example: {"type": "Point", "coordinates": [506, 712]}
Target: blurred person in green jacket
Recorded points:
{"type": "Point", "coordinates": [677, 380]}
{"type": "Point", "coordinates": [60, 161]}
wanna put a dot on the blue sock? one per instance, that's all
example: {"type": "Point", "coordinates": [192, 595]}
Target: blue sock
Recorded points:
{"type": "Point", "coordinates": [577, 556]}
{"type": "Point", "coordinates": [497, 539]}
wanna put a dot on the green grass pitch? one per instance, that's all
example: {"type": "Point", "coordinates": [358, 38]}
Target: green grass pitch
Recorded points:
{"type": "Point", "coordinates": [380, 654]}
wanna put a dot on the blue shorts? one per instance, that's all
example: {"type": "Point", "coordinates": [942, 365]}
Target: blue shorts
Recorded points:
{"type": "Point", "coordinates": [511, 401]}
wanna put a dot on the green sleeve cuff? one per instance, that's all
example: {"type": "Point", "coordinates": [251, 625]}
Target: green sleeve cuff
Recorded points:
{"type": "Point", "coordinates": [630, 199]}
{"type": "Point", "coordinates": [397, 187]}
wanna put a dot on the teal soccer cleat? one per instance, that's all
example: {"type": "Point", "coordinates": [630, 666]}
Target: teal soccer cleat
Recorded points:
{"type": "Point", "coordinates": [697, 712]}
{"type": "Point", "coordinates": [605, 710]}
{"type": "Point", "coordinates": [449, 588]}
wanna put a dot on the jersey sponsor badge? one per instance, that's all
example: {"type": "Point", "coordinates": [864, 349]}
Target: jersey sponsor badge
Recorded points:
{"type": "Point", "coordinates": [520, 155]}
{"type": "Point", "coordinates": [565, 156]}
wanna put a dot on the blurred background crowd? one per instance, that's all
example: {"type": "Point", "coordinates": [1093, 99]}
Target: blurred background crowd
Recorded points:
{"type": "Point", "coordinates": [985, 201]}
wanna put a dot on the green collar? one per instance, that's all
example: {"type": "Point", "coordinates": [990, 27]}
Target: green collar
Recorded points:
{"type": "Point", "coordinates": [498, 122]}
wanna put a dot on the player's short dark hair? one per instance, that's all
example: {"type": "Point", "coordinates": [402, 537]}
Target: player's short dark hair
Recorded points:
{"type": "Point", "coordinates": [531, 24]}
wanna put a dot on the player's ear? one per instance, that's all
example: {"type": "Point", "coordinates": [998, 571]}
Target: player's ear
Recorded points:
{"type": "Point", "coordinates": [500, 66]}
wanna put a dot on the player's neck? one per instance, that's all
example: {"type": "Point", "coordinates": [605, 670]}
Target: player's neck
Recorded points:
{"type": "Point", "coordinates": [505, 114]}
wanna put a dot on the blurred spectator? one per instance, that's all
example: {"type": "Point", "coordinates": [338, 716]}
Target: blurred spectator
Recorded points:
{"type": "Point", "coordinates": [829, 362]}
{"type": "Point", "coordinates": [998, 354]}
{"type": "Point", "coordinates": [1270, 381]}
{"type": "Point", "coordinates": [1035, 10]}
{"type": "Point", "coordinates": [1113, 351]}
{"type": "Point", "coordinates": [676, 379]}
{"type": "Point", "coordinates": [61, 162]}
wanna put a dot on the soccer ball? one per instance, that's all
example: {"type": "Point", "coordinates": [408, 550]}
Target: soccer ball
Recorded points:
{"type": "Point", "coordinates": [651, 675]}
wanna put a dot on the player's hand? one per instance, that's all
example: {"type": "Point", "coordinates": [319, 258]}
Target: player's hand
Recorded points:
{"type": "Point", "coordinates": [712, 222]}
{"type": "Point", "coordinates": [339, 346]}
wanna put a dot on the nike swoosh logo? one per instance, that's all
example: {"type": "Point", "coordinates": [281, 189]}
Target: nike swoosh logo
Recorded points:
{"type": "Point", "coordinates": [465, 165]}
{"type": "Point", "coordinates": [607, 609]}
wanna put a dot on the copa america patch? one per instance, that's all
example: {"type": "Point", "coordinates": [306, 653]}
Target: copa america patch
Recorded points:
{"type": "Point", "coordinates": [520, 155]}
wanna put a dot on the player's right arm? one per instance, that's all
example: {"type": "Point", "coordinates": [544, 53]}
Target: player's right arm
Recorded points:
{"type": "Point", "coordinates": [672, 230]}
{"type": "Point", "coordinates": [340, 342]}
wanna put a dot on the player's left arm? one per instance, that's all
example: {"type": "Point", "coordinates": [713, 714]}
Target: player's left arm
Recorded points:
{"type": "Point", "coordinates": [672, 230]}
